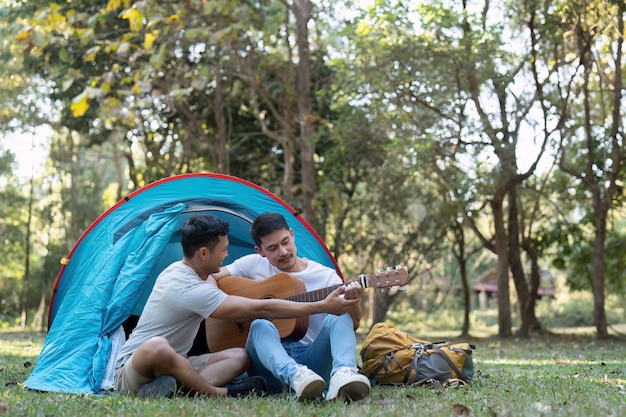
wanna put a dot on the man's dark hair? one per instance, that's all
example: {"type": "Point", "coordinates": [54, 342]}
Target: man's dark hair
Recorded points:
{"type": "Point", "coordinates": [265, 224]}
{"type": "Point", "coordinates": [202, 230]}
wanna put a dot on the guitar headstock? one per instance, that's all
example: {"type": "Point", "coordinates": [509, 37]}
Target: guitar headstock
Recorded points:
{"type": "Point", "coordinates": [391, 277]}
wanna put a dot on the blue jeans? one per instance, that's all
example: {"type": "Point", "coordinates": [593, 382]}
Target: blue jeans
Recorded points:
{"type": "Point", "coordinates": [333, 348]}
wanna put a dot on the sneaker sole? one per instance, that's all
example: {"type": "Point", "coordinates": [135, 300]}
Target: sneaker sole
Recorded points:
{"type": "Point", "coordinates": [312, 391]}
{"type": "Point", "coordinates": [353, 391]}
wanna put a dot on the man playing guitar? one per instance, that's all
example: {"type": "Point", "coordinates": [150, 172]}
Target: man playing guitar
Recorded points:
{"type": "Point", "coordinates": [325, 358]}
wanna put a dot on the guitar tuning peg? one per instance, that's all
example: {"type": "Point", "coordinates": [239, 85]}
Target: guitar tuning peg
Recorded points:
{"type": "Point", "coordinates": [398, 266]}
{"type": "Point", "coordinates": [401, 288]}
{"type": "Point", "coordinates": [380, 270]}
{"type": "Point", "coordinates": [389, 268]}
{"type": "Point", "coordinates": [382, 290]}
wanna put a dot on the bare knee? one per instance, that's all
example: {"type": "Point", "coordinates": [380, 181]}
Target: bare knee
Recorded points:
{"type": "Point", "coordinates": [154, 357]}
{"type": "Point", "coordinates": [241, 356]}
{"type": "Point", "coordinates": [157, 349]}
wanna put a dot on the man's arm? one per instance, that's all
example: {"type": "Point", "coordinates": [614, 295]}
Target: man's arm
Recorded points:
{"type": "Point", "coordinates": [237, 308]}
{"type": "Point", "coordinates": [356, 314]}
{"type": "Point", "coordinates": [221, 274]}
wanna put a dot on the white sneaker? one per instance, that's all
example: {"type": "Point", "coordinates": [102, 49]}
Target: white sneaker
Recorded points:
{"type": "Point", "coordinates": [307, 384]}
{"type": "Point", "coordinates": [348, 385]}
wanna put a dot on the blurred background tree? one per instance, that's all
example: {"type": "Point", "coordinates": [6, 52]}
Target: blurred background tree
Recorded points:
{"type": "Point", "coordinates": [459, 140]}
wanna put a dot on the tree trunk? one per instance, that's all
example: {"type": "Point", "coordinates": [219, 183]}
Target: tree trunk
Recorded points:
{"type": "Point", "coordinates": [383, 299]}
{"type": "Point", "coordinates": [40, 315]}
{"type": "Point", "coordinates": [531, 322]}
{"type": "Point", "coordinates": [599, 313]}
{"type": "Point", "coordinates": [115, 138]}
{"type": "Point", "coordinates": [462, 261]}
{"type": "Point", "coordinates": [222, 161]}
{"type": "Point", "coordinates": [26, 278]}
{"type": "Point", "coordinates": [504, 303]}
{"type": "Point", "coordinates": [602, 203]}
{"type": "Point", "coordinates": [467, 298]}
{"type": "Point", "coordinates": [288, 170]}
{"type": "Point", "coordinates": [306, 119]}
{"type": "Point", "coordinates": [526, 305]}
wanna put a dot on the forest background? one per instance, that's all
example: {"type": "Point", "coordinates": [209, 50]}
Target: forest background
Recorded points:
{"type": "Point", "coordinates": [461, 139]}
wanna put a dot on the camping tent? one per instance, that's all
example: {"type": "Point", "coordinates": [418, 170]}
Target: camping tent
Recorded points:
{"type": "Point", "coordinates": [110, 271]}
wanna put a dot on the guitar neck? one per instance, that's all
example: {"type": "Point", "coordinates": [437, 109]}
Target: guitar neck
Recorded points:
{"type": "Point", "coordinates": [384, 279]}
{"type": "Point", "coordinates": [313, 296]}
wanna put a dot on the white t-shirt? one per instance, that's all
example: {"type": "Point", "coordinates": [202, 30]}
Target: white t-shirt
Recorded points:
{"type": "Point", "coordinates": [315, 276]}
{"type": "Point", "coordinates": [178, 303]}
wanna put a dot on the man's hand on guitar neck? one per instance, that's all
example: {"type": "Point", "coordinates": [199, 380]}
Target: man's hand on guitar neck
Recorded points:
{"type": "Point", "coordinates": [342, 300]}
{"type": "Point", "coordinates": [353, 291]}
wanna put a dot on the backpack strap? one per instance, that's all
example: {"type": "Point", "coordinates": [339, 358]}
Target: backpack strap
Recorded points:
{"type": "Point", "coordinates": [448, 383]}
{"type": "Point", "coordinates": [454, 383]}
{"type": "Point", "coordinates": [419, 350]}
{"type": "Point", "coordinates": [412, 365]}
{"type": "Point", "coordinates": [383, 365]}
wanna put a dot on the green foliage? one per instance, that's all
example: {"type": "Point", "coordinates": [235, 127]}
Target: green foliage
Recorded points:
{"type": "Point", "coordinates": [12, 236]}
{"type": "Point", "coordinates": [10, 290]}
{"type": "Point", "coordinates": [420, 321]}
{"type": "Point", "coordinates": [572, 309]}
{"type": "Point", "coordinates": [420, 115]}
{"type": "Point", "coordinates": [572, 252]}
{"type": "Point", "coordinates": [140, 72]}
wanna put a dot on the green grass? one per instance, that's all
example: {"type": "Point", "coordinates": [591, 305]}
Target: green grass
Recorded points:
{"type": "Point", "coordinates": [555, 375]}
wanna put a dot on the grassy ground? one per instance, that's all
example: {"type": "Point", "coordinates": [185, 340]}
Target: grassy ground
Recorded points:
{"type": "Point", "coordinates": [555, 374]}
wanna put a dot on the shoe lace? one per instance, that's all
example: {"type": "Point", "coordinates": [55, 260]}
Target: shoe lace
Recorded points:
{"type": "Point", "coordinates": [303, 370]}
{"type": "Point", "coordinates": [347, 371]}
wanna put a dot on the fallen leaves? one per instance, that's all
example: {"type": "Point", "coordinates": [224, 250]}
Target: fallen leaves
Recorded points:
{"type": "Point", "coordinates": [460, 410]}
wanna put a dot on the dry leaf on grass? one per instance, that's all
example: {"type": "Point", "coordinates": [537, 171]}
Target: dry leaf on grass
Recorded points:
{"type": "Point", "coordinates": [460, 410]}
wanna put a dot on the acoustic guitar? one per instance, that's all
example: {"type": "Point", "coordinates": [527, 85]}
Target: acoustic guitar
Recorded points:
{"type": "Point", "coordinates": [223, 334]}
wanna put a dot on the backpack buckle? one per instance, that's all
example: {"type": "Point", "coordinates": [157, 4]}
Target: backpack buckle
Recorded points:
{"type": "Point", "coordinates": [419, 349]}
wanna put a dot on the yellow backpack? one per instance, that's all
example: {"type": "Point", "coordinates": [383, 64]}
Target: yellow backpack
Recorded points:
{"type": "Point", "coordinates": [393, 357]}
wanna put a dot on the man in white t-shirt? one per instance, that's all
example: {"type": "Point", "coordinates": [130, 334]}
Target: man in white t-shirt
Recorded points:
{"type": "Point", "coordinates": [325, 358]}
{"type": "Point", "coordinates": [153, 361]}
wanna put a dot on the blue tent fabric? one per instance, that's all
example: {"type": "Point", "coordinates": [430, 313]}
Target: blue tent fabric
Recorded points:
{"type": "Point", "coordinates": [84, 323]}
{"type": "Point", "coordinates": [113, 266]}
{"type": "Point", "coordinates": [149, 241]}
